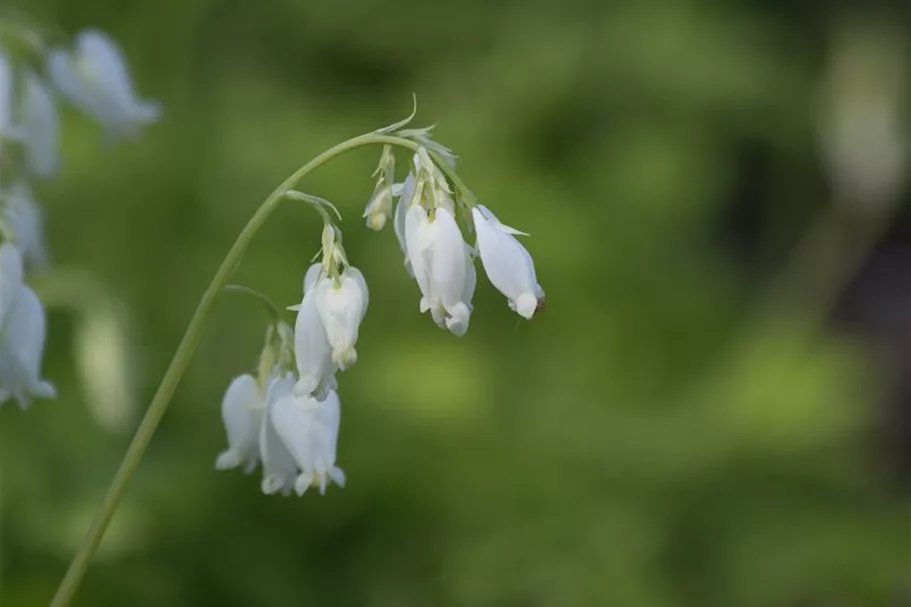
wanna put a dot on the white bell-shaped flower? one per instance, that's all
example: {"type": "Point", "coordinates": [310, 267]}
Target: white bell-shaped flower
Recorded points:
{"type": "Point", "coordinates": [401, 212]}
{"type": "Point", "coordinates": [11, 276]}
{"type": "Point", "coordinates": [508, 264]}
{"type": "Point", "coordinates": [342, 304]}
{"type": "Point", "coordinates": [22, 333]}
{"type": "Point", "coordinates": [442, 266]}
{"type": "Point", "coordinates": [94, 76]}
{"type": "Point", "coordinates": [312, 351]}
{"type": "Point", "coordinates": [242, 410]}
{"type": "Point", "coordinates": [308, 429]}
{"type": "Point", "coordinates": [40, 128]}
{"type": "Point", "coordinates": [279, 466]}
{"type": "Point", "coordinates": [24, 219]}
{"type": "Point", "coordinates": [379, 208]}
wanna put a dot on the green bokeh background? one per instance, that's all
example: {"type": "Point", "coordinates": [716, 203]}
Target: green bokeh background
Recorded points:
{"type": "Point", "coordinates": [611, 452]}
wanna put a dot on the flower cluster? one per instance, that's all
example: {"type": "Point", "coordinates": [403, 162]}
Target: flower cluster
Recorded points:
{"type": "Point", "coordinates": [288, 414]}
{"type": "Point", "coordinates": [33, 78]}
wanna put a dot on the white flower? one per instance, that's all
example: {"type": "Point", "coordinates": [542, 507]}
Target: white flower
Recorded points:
{"type": "Point", "coordinates": [507, 263]}
{"type": "Point", "coordinates": [308, 429]}
{"type": "Point", "coordinates": [6, 95]}
{"type": "Point", "coordinates": [379, 209]}
{"type": "Point", "coordinates": [279, 467]}
{"type": "Point", "coordinates": [40, 128]}
{"type": "Point", "coordinates": [242, 410]}
{"type": "Point", "coordinates": [401, 211]}
{"type": "Point", "coordinates": [311, 346]}
{"type": "Point", "coordinates": [442, 266]}
{"type": "Point", "coordinates": [11, 272]}
{"type": "Point", "coordinates": [342, 304]}
{"type": "Point", "coordinates": [95, 77]}
{"type": "Point", "coordinates": [22, 334]}
{"type": "Point", "coordinates": [24, 219]}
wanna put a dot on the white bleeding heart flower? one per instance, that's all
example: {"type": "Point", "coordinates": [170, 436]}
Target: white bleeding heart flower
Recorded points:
{"type": "Point", "coordinates": [24, 219]}
{"type": "Point", "coordinates": [39, 130]}
{"type": "Point", "coordinates": [401, 211]}
{"type": "Point", "coordinates": [23, 329]}
{"type": "Point", "coordinates": [94, 76]}
{"type": "Point", "coordinates": [507, 263]}
{"type": "Point", "coordinates": [242, 410]}
{"type": "Point", "coordinates": [312, 350]}
{"type": "Point", "coordinates": [279, 466]}
{"type": "Point", "coordinates": [308, 429]}
{"type": "Point", "coordinates": [442, 266]}
{"type": "Point", "coordinates": [379, 209]}
{"type": "Point", "coordinates": [342, 304]}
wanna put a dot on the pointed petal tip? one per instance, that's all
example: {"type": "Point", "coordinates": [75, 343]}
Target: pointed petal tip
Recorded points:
{"type": "Point", "coordinates": [338, 477]}
{"type": "Point", "coordinates": [526, 305]}
{"type": "Point", "coordinates": [228, 460]}
{"type": "Point", "coordinates": [302, 483]}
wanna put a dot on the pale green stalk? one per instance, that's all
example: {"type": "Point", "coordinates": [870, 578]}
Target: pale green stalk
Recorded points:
{"type": "Point", "coordinates": [187, 347]}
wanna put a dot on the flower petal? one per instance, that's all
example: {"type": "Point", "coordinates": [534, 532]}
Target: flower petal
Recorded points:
{"type": "Point", "coordinates": [40, 128]}
{"type": "Point", "coordinates": [279, 468]}
{"type": "Point", "coordinates": [22, 349]}
{"type": "Point", "coordinates": [241, 412]}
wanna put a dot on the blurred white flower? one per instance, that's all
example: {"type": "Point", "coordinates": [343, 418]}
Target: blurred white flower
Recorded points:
{"type": "Point", "coordinates": [11, 272]}
{"type": "Point", "coordinates": [22, 334]}
{"type": "Point", "coordinates": [308, 429]}
{"type": "Point", "coordinates": [94, 76]}
{"type": "Point", "coordinates": [863, 124]}
{"type": "Point", "coordinates": [242, 410]}
{"type": "Point", "coordinates": [312, 350]}
{"type": "Point", "coordinates": [6, 95]}
{"type": "Point", "coordinates": [39, 130]}
{"type": "Point", "coordinates": [24, 219]}
{"type": "Point", "coordinates": [508, 264]}
{"type": "Point", "coordinates": [342, 303]}
{"type": "Point", "coordinates": [440, 261]}
{"type": "Point", "coordinates": [105, 362]}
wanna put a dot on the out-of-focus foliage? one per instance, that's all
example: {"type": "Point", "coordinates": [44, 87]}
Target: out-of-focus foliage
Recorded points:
{"type": "Point", "coordinates": [640, 444]}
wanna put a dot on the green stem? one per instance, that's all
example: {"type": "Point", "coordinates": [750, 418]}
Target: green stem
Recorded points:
{"type": "Point", "coordinates": [268, 305]}
{"type": "Point", "coordinates": [182, 357]}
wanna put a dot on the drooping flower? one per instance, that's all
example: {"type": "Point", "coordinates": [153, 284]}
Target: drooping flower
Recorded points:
{"type": "Point", "coordinates": [342, 303]}
{"type": "Point", "coordinates": [379, 208]}
{"type": "Point", "coordinates": [40, 128]}
{"type": "Point", "coordinates": [401, 211]}
{"type": "Point", "coordinates": [94, 76]}
{"type": "Point", "coordinates": [507, 263]}
{"type": "Point", "coordinates": [312, 350]}
{"type": "Point", "coordinates": [279, 467]}
{"type": "Point", "coordinates": [308, 429]}
{"type": "Point", "coordinates": [22, 333]}
{"type": "Point", "coordinates": [242, 410]}
{"type": "Point", "coordinates": [442, 266]}
{"type": "Point", "coordinates": [24, 219]}
{"type": "Point", "coordinates": [11, 272]}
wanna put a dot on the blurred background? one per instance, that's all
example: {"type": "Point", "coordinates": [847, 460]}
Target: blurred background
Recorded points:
{"type": "Point", "coordinates": [714, 410]}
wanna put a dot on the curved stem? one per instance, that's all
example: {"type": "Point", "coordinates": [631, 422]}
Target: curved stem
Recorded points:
{"type": "Point", "coordinates": [267, 304]}
{"type": "Point", "coordinates": [182, 357]}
